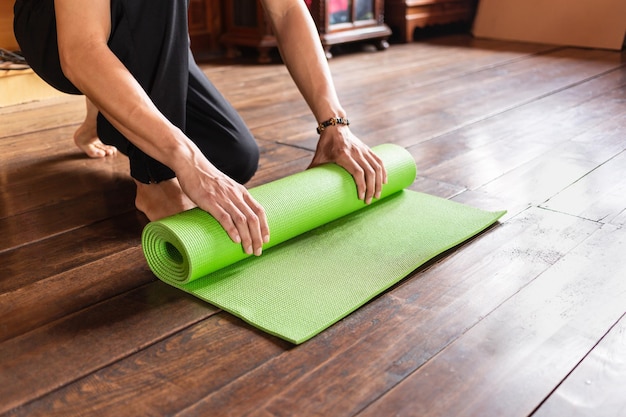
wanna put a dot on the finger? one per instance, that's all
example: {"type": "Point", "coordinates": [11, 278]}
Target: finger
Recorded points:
{"type": "Point", "coordinates": [259, 211]}
{"type": "Point", "coordinates": [241, 224]}
{"type": "Point", "coordinates": [245, 223]}
{"type": "Point", "coordinates": [256, 222]}
{"type": "Point", "coordinates": [365, 162]}
{"type": "Point", "coordinates": [359, 177]}
{"type": "Point", "coordinates": [226, 221]}
{"type": "Point", "coordinates": [234, 222]}
{"type": "Point", "coordinates": [370, 180]}
{"type": "Point", "coordinates": [379, 173]}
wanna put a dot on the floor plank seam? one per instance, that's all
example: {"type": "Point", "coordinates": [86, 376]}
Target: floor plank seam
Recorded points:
{"type": "Point", "coordinates": [113, 360]}
{"type": "Point", "coordinates": [43, 129]}
{"type": "Point", "coordinates": [83, 307]}
{"type": "Point", "coordinates": [433, 83]}
{"type": "Point", "coordinates": [434, 356]}
{"type": "Point", "coordinates": [598, 166]}
{"type": "Point", "coordinates": [61, 233]}
{"type": "Point", "coordinates": [497, 65]}
{"type": "Point", "coordinates": [599, 222]}
{"type": "Point", "coordinates": [515, 106]}
{"type": "Point", "coordinates": [575, 367]}
{"type": "Point", "coordinates": [92, 330]}
{"type": "Point", "coordinates": [294, 146]}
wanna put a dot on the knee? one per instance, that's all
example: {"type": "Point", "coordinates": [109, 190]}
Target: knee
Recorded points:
{"type": "Point", "coordinates": [246, 162]}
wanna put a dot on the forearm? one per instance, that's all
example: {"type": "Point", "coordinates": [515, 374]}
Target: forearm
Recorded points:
{"type": "Point", "coordinates": [92, 67]}
{"type": "Point", "coordinates": [304, 56]}
{"type": "Point", "coordinates": [101, 76]}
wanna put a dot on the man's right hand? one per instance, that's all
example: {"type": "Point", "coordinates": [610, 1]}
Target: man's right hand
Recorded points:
{"type": "Point", "coordinates": [241, 216]}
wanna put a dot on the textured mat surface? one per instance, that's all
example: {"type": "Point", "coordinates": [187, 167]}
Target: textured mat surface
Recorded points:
{"type": "Point", "coordinates": [328, 254]}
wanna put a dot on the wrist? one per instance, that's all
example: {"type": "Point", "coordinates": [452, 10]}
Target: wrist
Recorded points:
{"type": "Point", "coordinates": [181, 153]}
{"type": "Point", "coordinates": [333, 121]}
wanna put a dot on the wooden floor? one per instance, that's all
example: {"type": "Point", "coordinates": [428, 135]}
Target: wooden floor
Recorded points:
{"type": "Point", "coordinates": [527, 319]}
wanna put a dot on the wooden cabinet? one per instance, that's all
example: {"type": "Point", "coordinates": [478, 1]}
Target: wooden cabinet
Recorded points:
{"type": "Point", "coordinates": [204, 26]}
{"type": "Point", "coordinates": [245, 25]}
{"type": "Point", "coordinates": [405, 15]}
{"type": "Point", "coordinates": [341, 21]}
{"type": "Point", "coordinates": [337, 21]}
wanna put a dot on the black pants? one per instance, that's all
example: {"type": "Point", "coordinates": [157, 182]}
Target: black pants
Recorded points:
{"type": "Point", "coordinates": [150, 37]}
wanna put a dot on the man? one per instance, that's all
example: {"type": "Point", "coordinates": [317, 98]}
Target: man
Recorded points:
{"type": "Point", "coordinates": [186, 145]}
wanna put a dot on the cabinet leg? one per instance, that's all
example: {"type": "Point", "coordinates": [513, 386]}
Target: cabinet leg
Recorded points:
{"type": "Point", "coordinates": [327, 52]}
{"type": "Point", "coordinates": [381, 44]}
{"type": "Point", "coordinates": [232, 52]}
{"type": "Point", "coordinates": [264, 55]}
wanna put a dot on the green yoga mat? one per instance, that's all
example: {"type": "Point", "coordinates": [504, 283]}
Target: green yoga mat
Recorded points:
{"type": "Point", "coordinates": [329, 253]}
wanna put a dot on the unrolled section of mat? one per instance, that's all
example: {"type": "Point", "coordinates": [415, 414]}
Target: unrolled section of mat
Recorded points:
{"type": "Point", "coordinates": [329, 253]}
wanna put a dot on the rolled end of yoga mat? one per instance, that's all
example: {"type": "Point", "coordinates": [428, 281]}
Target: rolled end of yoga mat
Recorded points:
{"type": "Point", "coordinates": [193, 244]}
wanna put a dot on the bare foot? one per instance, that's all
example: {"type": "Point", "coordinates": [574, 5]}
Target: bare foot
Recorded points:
{"type": "Point", "coordinates": [86, 136]}
{"type": "Point", "coordinates": [87, 140]}
{"type": "Point", "coordinates": [163, 199]}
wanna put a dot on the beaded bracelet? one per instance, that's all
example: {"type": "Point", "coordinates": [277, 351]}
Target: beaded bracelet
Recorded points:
{"type": "Point", "coordinates": [333, 121]}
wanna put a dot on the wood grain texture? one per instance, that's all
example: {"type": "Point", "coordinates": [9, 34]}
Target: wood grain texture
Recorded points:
{"type": "Point", "coordinates": [525, 347]}
{"type": "Point", "coordinates": [398, 333]}
{"type": "Point", "coordinates": [525, 319]}
{"type": "Point", "coordinates": [595, 387]}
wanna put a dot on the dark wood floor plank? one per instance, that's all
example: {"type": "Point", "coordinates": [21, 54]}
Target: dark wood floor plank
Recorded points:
{"type": "Point", "coordinates": [421, 113]}
{"type": "Point", "coordinates": [27, 264]}
{"type": "Point", "coordinates": [555, 116]}
{"type": "Point", "coordinates": [446, 58]}
{"type": "Point", "coordinates": [596, 387]}
{"type": "Point", "coordinates": [93, 190]}
{"type": "Point", "coordinates": [30, 292]}
{"type": "Point", "coordinates": [387, 74]}
{"type": "Point", "coordinates": [42, 169]}
{"type": "Point", "coordinates": [53, 149]}
{"type": "Point", "coordinates": [39, 116]}
{"type": "Point", "coordinates": [50, 357]}
{"type": "Point", "coordinates": [278, 92]}
{"type": "Point", "coordinates": [441, 109]}
{"type": "Point", "coordinates": [513, 138]}
{"type": "Point", "coordinates": [405, 327]}
{"type": "Point", "coordinates": [88, 330]}
{"type": "Point", "coordinates": [278, 161]}
{"type": "Point", "coordinates": [34, 305]}
{"type": "Point", "coordinates": [537, 180]}
{"type": "Point", "coordinates": [551, 324]}
{"type": "Point", "coordinates": [39, 224]}
{"type": "Point", "coordinates": [165, 377]}
{"type": "Point", "coordinates": [438, 188]}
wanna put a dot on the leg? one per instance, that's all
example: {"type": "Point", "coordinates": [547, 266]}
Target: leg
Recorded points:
{"type": "Point", "coordinates": [35, 28]}
{"type": "Point", "coordinates": [218, 130]}
{"type": "Point", "coordinates": [154, 47]}
{"type": "Point", "coordinates": [220, 133]}
{"type": "Point", "coordinates": [86, 136]}
{"type": "Point", "coordinates": [161, 199]}
{"type": "Point", "coordinates": [150, 38]}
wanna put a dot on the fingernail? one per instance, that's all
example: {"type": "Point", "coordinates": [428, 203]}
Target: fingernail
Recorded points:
{"type": "Point", "coordinates": [378, 195]}
{"type": "Point", "coordinates": [249, 250]}
{"type": "Point", "coordinates": [258, 252]}
{"type": "Point", "coordinates": [266, 238]}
